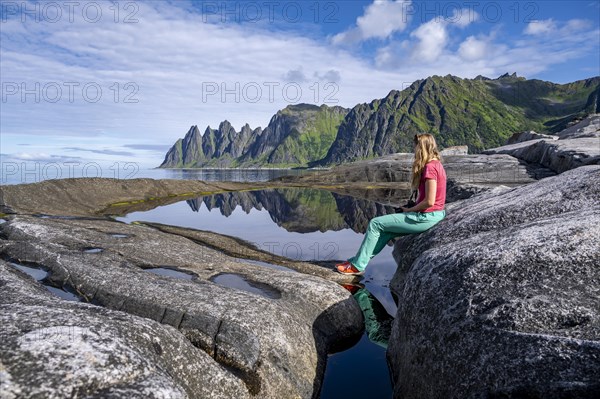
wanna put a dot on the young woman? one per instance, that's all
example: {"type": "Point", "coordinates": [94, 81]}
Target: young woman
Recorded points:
{"type": "Point", "coordinates": [429, 177]}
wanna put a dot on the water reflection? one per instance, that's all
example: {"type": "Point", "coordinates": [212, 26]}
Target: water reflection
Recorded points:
{"type": "Point", "coordinates": [378, 323]}
{"type": "Point", "coordinates": [43, 276]}
{"type": "Point", "coordinates": [299, 210]}
{"type": "Point", "coordinates": [367, 358]}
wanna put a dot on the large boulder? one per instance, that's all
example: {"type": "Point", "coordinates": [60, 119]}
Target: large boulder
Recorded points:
{"type": "Point", "coordinates": [529, 135]}
{"type": "Point", "coordinates": [271, 329]}
{"type": "Point", "coordinates": [588, 127]}
{"type": "Point", "coordinates": [52, 348]}
{"type": "Point", "coordinates": [557, 155]}
{"type": "Point", "coordinates": [576, 146]}
{"type": "Point", "coordinates": [502, 298]}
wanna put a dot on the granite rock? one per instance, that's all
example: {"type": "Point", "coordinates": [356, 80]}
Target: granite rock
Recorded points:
{"type": "Point", "coordinates": [272, 333]}
{"type": "Point", "coordinates": [53, 348]}
{"type": "Point", "coordinates": [577, 146]}
{"type": "Point", "coordinates": [528, 135]}
{"type": "Point", "coordinates": [502, 298]}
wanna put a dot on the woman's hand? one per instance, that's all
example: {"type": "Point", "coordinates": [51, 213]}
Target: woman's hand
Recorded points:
{"type": "Point", "coordinates": [428, 201]}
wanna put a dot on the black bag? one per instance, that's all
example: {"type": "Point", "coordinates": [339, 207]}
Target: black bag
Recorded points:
{"type": "Point", "coordinates": [411, 202]}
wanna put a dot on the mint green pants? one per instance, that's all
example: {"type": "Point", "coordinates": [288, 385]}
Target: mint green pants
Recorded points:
{"type": "Point", "coordinates": [383, 228]}
{"type": "Point", "coordinates": [378, 323]}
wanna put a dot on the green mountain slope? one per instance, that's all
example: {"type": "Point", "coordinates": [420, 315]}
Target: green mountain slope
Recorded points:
{"type": "Point", "coordinates": [480, 113]}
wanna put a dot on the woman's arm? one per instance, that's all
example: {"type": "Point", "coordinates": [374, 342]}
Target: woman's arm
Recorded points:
{"type": "Point", "coordinates": [428, 201]}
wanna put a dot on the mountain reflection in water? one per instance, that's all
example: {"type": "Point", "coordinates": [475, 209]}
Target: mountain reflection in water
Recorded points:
{"type": "Point", "coordinates": [300, 210]}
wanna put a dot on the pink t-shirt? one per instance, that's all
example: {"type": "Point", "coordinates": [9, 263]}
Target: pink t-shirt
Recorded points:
{"type": "Point", "coordinates": [434, 170]}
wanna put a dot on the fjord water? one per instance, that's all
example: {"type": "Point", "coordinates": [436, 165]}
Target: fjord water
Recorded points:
{"type": "Point", "coordinates": [308, 224]}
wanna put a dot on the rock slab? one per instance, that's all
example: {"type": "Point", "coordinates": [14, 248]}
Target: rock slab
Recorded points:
{"type": "Point", "coordinates": [269, 340]}
{"type": "Point", "coordinates": [502, 298]}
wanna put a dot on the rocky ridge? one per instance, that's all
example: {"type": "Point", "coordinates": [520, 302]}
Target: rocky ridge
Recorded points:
{"type": "Point", "coordinates": [295, 135]}
{"type": "Point", "coordinates": [573, 147]}
{"type": "Point", "coordinates": [474, 112]}
{"type": "Point", "coordinates": [479, 113]}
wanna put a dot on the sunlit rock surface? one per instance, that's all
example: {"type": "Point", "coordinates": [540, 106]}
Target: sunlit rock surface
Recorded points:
{"type": "Point", "coordinates": [502, 298]}
{"type": "Point", "coordinates": [272, 345]}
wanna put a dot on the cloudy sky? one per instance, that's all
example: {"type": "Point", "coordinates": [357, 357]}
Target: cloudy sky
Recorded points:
{"type": "Point", "coordinates": [120, 82]}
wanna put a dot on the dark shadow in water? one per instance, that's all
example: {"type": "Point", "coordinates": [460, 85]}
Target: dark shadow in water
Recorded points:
{"type": "Point", "coordinates": [326, 342]}
{"type": "Point", "coordinates": [361, 371]}
{"type": "Point", "coordinates": [378, 323]}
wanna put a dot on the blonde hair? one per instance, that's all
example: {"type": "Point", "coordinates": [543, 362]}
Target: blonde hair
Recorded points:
{"type": "Point", "coordinates": [426, 150]}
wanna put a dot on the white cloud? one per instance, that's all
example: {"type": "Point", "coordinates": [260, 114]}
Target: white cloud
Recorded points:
{"type": "Point", "coordinates": [463, 18]}
{"type": "Point", "coordinates": [486, 54]}
{"type": "Point", "coordinates": [172, 60]}
{"type": "Point", "coordinates": [431, 38]}
{"type": "Point", "coordinates": [574, 25]}
{"type": "Point", "coordinates": [171, 54]}
{"type": "Point", "coordinates": [473, 49]}
{"type": "Point", "coordinates": [380, 20]}
{"type": "Point", "coordinates": [540, 27]}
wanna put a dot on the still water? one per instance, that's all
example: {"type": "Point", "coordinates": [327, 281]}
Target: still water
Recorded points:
{"type": "Point", "coordinates": [308, 224]}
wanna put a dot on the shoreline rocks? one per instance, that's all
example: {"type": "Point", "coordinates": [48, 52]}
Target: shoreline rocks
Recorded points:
{"type": "Point", "coordinates": [499, 300]}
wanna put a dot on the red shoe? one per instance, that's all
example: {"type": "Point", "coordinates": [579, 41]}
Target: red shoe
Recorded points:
{"type": "Point", "coordinates": [349, 269]}
{"type": "Point", "coordinates": [353, 287]}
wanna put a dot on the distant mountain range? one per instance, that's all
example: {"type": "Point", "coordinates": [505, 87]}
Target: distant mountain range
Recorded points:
{"type": "Point", "coordinates": [296, 135]}
{"type": "Point", "coordinates": [480, 113]}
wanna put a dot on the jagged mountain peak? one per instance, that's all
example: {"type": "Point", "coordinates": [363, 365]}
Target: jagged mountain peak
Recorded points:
{"type": "Point", "coordinates": [295, 135]}
{"type": "Point", "coordinates": [510, 76]}
{"type": "Point", "coordinates": [193, 129]}
{"type": "Point", "coordinates": [480, 113]}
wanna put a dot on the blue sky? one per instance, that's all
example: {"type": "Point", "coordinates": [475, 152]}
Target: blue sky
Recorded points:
{"type": "Point", "coordinates": [120, 82]}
